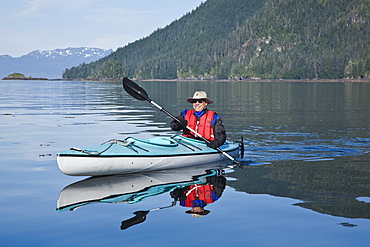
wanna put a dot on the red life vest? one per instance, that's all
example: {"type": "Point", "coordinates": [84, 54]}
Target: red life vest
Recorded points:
{"type": "Point", "coordinates": [198, 192]}
{"type": "Point", "coordinates": [203, 126]}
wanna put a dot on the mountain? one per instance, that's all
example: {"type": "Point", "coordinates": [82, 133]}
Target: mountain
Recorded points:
{"type": "Point", "coordinates": [51, 63]}
{"type": "Point", "coordinates": [287, 39]}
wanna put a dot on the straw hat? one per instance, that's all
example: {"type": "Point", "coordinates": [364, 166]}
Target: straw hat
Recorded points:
{"type": "Point", "coordinates": [200, 95]}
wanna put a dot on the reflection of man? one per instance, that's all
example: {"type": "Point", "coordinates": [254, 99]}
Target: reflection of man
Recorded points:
{"type": "Point", "coordinates": [198, 196]}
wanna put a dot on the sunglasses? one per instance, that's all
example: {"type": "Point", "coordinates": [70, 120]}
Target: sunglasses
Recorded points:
{"type": "Point", "coordinates": [197, 100]}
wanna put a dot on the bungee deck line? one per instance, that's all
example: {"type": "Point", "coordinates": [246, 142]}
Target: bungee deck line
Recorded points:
{"type": "Point", "coordinates": [111, 142]}
{"type": "Point", "coordinates": [131, 145]}
{"type": "Point", "coordinates": [186, 144]}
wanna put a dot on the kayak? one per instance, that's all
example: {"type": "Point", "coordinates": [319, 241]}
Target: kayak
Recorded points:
{"type": "Point", "coordinates": [133, 155]}
{"type": "Point", "coordinates": [132, 188]}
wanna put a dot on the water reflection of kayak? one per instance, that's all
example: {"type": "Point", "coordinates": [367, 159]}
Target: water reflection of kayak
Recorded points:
{"type": "Point", "coordinates": [132, 188]}
{"type": "Point", "coordinates": [135, 155]}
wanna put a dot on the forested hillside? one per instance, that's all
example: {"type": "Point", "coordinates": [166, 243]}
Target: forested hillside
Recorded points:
{"type": "Point", "coordinates": [222, 39]}
{"type": "Point", "coordinates": [304, 39]}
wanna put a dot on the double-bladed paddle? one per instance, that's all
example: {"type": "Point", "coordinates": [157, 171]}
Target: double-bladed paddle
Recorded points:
{"type": "Point", "coordinates": [139, 93]}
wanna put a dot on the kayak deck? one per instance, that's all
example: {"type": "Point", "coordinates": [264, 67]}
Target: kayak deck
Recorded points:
{"type": "Point", "coordinates": [159, 146]}
{"type": "Point", "coordinates": [135, 155]}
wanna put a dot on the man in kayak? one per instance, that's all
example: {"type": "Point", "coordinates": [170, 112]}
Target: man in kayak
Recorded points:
{"type": "Point", "coordinates": [205, 122]}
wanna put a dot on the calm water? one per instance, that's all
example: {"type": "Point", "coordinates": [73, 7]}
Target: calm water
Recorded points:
{"type": "Point", "coordinates": [308, 183]}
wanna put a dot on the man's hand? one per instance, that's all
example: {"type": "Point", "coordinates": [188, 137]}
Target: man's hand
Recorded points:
{"type": "Point", "coordinates": [183, 123]}
{"type": "Point", "coordinates": [213, 144]}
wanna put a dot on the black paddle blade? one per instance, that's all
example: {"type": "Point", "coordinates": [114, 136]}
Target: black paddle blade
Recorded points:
{"type": "Point", "coordinates": [134, 90]}
{"type": "Point", "coordinates": [140, 216]}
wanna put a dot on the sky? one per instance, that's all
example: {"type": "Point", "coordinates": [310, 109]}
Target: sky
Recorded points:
{"type": "Point", "coordinates": [29, 25]}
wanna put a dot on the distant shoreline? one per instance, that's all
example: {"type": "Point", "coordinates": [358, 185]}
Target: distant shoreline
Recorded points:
{"type": "Point", "coordinates": [267, 80]}
{"type": "Point", "coordinates": [11, 78]}
{"type": "Point", "coordinates": [183, 80]}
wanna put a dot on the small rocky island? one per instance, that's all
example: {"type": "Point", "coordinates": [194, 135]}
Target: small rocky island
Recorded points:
{"type": "Point", "coordinates": [19, 76]}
